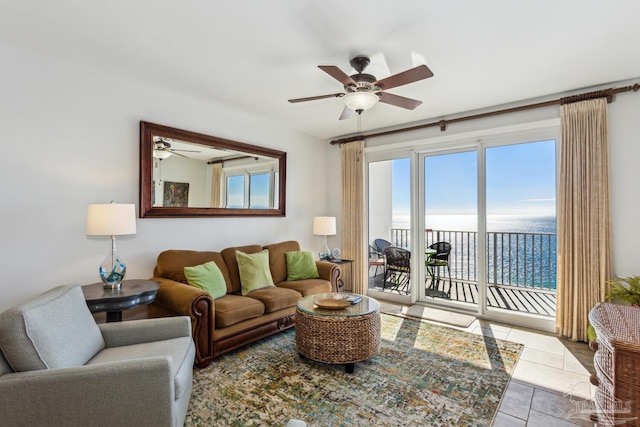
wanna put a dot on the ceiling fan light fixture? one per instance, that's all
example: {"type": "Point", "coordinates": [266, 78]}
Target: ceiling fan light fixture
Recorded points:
{"type": "Point", "coordinates": [360, 101]}
{"type": "Point", "coordinates": [161, 154]}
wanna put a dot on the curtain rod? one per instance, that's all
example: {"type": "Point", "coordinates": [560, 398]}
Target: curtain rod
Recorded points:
{"type": "Point", "coordinates": [606, 93]}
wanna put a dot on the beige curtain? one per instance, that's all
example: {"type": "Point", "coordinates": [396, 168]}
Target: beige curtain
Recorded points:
{"type": "Point", "coordinates": [584, 243]}
{"type": "Point", "coordinates": [353, 231]}
{"type": "Point", "coordinates": [216, 186]}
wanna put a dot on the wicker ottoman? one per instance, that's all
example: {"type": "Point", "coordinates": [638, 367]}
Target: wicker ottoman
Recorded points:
{"type": "Point", "coordinates": [617, 364]}
{"type": "Point", "coordinates": [344, 336]}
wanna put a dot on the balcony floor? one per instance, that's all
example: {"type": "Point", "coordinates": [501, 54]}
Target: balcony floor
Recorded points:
{"type": "Point", "coordinates": [524, 300]}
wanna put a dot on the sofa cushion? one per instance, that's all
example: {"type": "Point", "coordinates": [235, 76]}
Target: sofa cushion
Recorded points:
{"type": "Point", "coordinates": [277, 260]}
{"type": "Point", "coordinates": [254, 271]}
{"type": "Point", "coordinates": [53, 330]}
{"type": "Point", "coordinates": [229, 256]}
{"type": "Point", "coordinates": [171, 264]}
{"type": "Point", "coordinates": [179, 350]}
{"type": "Point", "coordinates": [301, 265]}
{"type": "Point", "coordinates": [4, 365]}
{"type": "Point", "coordinates": [207, 277]}
{"type": "Point", "coordinates": [307, 287]}
{"type": "Point", "coordinates": [275, 298]}
{"type": "Point", "coordinates": [231, 309]}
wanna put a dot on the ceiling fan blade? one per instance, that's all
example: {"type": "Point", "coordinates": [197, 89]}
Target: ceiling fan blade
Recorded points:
{"type": "Point", "coordinates": [178, 154]}
{"type": "Point", "coordinates": [338, 74]}
{"type": "Point", "coordinates": [347, 113]}
{"type": "Point", "coordinates": [399, 101]}
{"type": "Point", "coordinates": [313, 98]}
{"type": "Point", "coordinates": [186, 151]}
{"type": "Point", "coordinates": [413, 75]}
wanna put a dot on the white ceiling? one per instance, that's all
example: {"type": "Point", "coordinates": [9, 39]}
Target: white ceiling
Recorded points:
{"type": "Point", "coordinates": [253, 55]}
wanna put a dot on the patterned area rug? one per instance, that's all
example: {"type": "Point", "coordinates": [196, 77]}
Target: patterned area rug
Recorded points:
{"type": "Point", "coordinates": [424, 375]}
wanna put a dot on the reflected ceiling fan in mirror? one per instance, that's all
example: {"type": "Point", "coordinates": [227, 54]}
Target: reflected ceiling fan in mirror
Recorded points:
{"type": "Point", "coordinates": [363, 91]}
{"type": "Point", "coordinates": [162, 149]}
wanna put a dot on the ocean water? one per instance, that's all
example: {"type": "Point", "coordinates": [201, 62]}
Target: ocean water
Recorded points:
{"type": "Point", "coordinates": [500, 223]}
{"type": "Point", "coordinates": [521, 250]}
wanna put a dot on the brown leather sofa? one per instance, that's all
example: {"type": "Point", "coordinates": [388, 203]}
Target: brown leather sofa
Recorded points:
{"type": "Point", "coordinates": [232, 321]}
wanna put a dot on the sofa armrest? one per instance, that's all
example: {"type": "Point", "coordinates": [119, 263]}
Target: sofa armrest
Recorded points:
{"type": "Point", "coordinates": [185, 300]}
{"type": "Point", "coordinates": [117, 334]}
{"type": "Point", "coordinates": [178, 297]}
{"type": "Point", "coordinates": [330, 272]}
{"type": "Point", "coordinates": [87, 395]}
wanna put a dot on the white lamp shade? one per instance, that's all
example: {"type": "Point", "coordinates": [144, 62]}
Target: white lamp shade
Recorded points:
{"type": "Point", "coordinates": [111, 219]}
{"type": "Point", "coordinates": [324, 225]}
{"type": "Point", "coordinates": [360, 100]}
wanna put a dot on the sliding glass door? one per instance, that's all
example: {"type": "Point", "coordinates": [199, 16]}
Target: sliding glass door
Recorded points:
{"type": "Point", "coordinates": [490, 233]}
{"type": "Point", "coordinates": [521, 229]}
{"type": "Point", "coordinates": [390, 228]}
{"type": "Point", "coordinates": [475, 223]}
{"type": "Point", "coordinates": [451, 229]}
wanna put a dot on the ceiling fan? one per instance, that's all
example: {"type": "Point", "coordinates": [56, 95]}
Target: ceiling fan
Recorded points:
{"type": "Point", "coordinates": [162, 149]}
{"type": "Point", "coordinates": [362, 91]}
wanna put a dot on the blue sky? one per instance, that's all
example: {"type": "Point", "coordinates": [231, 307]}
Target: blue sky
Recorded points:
{"type": "Point", "coordinates": [520, 181]}
{"type": "Point", "coordinates": [235, 191]}
{"type": "Point", "coordinates": [259, 191]}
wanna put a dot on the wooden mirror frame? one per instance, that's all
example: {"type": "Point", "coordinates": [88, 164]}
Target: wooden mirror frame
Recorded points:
{"type": "Point", "coordinates": [150, 130]}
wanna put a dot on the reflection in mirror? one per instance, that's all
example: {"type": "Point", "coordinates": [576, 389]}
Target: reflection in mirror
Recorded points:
{"type": "Point", "coordinates": [187, 174]}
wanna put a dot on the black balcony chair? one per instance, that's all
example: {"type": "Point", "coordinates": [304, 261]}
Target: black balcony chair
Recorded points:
{"type": "Point", "coordinates": [376, 259]}
{"type": "Point", "coordinates": [434, 263]}
{"type": "Point", "coordinates": [378, 246]}
{"type": "Point", "coordinates": [381, 244]}
{"type": "Point", "coordinates": [397, 270]}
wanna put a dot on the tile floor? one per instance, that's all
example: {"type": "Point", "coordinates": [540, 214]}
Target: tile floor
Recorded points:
{"type": "Point", "coordinates": [550, 385]}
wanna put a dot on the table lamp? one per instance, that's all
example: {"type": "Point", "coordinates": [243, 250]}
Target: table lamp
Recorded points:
{"type": "Point", "coordinates": [111, 219]}
{"type": "Point", "coordinates": [324, 226]}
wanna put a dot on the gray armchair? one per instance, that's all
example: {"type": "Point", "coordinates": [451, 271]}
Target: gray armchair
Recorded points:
{"type": "Point", "coordinates": [60, 368]}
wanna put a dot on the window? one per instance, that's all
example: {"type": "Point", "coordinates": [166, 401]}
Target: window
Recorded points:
{"type": "Point", "coordinates": [252, 189]}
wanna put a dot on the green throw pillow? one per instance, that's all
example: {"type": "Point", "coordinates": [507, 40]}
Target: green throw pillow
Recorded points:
{"type": "Point", "coordinates": [207, 277]}
{"type": "Point", "coordinates": [254, 271]}
{"type": "Point", "coordinates": [301, 265]}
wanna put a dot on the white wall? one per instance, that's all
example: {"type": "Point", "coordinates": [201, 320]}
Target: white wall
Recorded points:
{"type": "Point", "coordinates": [624, 126]}
{"type": "Point", "coordinates": [379, 200]}
{"type": "Point", "coordinates": [624, 160]}
{"type": "Point", "coordinates": [70, 137]}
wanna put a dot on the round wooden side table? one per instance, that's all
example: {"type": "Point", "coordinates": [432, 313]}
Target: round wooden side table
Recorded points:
{"type": "Point", "coordinates": [131, 294]}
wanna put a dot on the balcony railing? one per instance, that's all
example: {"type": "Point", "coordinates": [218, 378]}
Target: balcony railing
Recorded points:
{"type": "Point", "coordinates": [525, 260]}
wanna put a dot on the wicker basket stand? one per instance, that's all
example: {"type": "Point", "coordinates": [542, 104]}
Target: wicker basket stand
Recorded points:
{"type": "Point", "coordinates": [617, 364]}
{"type": "Point", "coordinates": [336, 338]}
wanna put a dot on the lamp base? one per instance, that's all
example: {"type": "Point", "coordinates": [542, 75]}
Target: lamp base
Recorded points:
{"type": "Point", "coordinates": [326, 252]}
{"type": "Point", "coordinates": [324, 256]}
{"type": "Point", "coordinates": [112, 287]}
{"type": "Point", "coordinates": [112, 271]}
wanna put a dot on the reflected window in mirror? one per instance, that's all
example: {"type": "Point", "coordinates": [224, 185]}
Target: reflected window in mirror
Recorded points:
{"type": "Point", "coordinates": [252, 185]}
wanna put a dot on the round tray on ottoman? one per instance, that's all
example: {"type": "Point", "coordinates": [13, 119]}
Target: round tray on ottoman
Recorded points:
{"type": "Point", "coordinates": [338, 336]}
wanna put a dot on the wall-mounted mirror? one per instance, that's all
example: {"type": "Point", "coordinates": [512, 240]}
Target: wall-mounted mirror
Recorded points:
{"type": "Point", "coordinates": [187, 174]}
